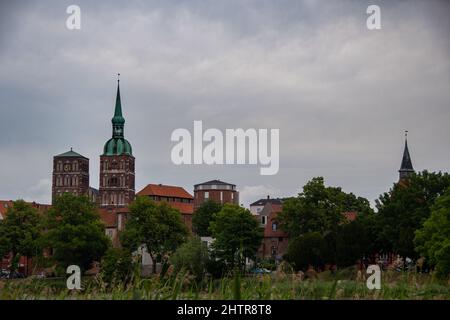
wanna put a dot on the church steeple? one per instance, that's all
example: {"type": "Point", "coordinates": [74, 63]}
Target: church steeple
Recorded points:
{"type": "Point", "coordinates": [406, 168]}
{"type": "Point", "coordinates": [117, 145]}
{"type": "Point", "coordinates": [118, 120]}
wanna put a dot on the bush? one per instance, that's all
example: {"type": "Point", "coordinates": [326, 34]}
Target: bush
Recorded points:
{"type": "Point", "coordinates": [192, 256]}
{"type": "Point", "coordinates": [116, 266]}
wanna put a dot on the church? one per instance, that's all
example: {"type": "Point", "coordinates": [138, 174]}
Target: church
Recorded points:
{"type": "Point", "coordinates": [116, 180]}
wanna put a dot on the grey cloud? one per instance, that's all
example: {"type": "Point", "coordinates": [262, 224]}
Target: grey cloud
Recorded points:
{"type": "Point", "coordinates": [341, 95]}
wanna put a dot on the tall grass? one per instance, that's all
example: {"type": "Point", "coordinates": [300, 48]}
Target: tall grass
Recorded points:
{"type": "Point", "coordinates": [276, 286]}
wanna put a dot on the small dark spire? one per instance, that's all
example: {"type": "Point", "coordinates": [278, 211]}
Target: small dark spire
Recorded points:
{"type": "Point", "coordinates": [406, 167]}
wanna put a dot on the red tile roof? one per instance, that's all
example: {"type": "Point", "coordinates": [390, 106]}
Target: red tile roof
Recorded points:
{"type": "Point", "coordinates": [165, 191]}
{"type": "Point", "coordinates": [6, 204]}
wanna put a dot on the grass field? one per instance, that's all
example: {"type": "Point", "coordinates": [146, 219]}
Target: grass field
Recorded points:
{"type": "Point", "coordinates": [395, 285]}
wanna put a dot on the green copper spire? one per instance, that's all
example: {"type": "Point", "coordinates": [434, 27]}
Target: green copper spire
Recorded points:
{"type": "Point", "coordinates": [118, 144]}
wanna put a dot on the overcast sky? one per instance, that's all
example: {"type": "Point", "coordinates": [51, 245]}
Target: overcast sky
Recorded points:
{"type": "Point", "coordinates": [340, 94]}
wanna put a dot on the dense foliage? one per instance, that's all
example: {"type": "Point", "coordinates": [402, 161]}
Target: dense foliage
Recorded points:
{"type": "Point", "coordinates": [404, 209]}
{"type": "Point", "coordinates": [237, 235]}
{"type": "Point", "coordinates": [75, 232]}
{"type": "Point", "coordinates": [203, 216]}
{"type": "Point", "coordinates": [192, 256]}
{"type": "Point", "coordinates": [433, 239]}
{"type": "Point", "coordinates": [20, 231]}
{"type": "Point", "coordinates": [157, 226]}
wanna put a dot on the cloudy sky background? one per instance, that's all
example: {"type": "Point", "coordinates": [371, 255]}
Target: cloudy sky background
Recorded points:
{"type": "Point", "coordinates": [340, 94]}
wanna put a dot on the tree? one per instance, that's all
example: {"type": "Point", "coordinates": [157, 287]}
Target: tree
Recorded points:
{"type": "Point", "coordinates": [354, 241]}
{"type": "Point", "coordinates": [75, 232]}
{"type": "Point", "coordinates": [203, 216]}
{"type": "Point", "coordinates": [433, 239]}
{"type": "Point", "coordinates": [404, 209]}
{"type": "Point", "coordinates": [116, 266]}
{"type": "Point", "coordinates": [158, 227]}
{"type": "Point", "coordinates": [237, 235]}
{"type": "Point", "coordinates": [192, 256]}
{"type": "Point", "coordinates": [319, 209]}
{"type": "Point", "coordinates": [20, 231]}
{"type": "Point", "coordinates": [305, 250]}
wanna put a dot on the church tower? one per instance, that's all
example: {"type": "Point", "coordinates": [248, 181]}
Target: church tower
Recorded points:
{"type": "Point", "coordinates": [70, 174]}
{"type": "Point", "coordinates": [406, 168]}
{"type": "Point", "coordinates": [116, 186]}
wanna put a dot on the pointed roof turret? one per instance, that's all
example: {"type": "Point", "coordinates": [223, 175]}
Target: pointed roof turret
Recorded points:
{"type": "Point", "coordinates": [406, 168]}
{"type": "Point", "coordinates": [118, 118]}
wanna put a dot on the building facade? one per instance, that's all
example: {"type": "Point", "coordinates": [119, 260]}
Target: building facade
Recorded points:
{"type": "Point", "coordinates": [215, 190]}
{"type": "Point", "coordinates": [117, 165]}
{"type": "Point", "coordinates": [70, 174]}
{"type": "Point", "coordinates": [275, 241]}
{"type": "Point", "coordinates": [257, 206]}
{"type": "Point", "coordinates": [176, 197]}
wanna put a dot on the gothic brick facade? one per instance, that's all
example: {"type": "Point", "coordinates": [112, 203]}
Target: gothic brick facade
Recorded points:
{"type": "Point", "coordinates": [70, 174]}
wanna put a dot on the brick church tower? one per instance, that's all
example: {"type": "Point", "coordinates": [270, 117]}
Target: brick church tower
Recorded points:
{"type": "Point", "coordinates": [70, 174]}
{"type": "Point", "coordinates": [116, 186]}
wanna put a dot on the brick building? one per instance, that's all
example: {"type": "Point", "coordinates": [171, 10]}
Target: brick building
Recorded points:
{"type": "Point", "coordinates": [70, 174]}
{"type": "Point", "coordinates": [176, 197]}
{"type": "Point", "coordinates": [275, 241]}
{"type": "Point", "coordinates": [215, 190]}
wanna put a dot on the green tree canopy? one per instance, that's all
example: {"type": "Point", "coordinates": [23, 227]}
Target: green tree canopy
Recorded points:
{"type": "Point", "coordinates": [433, 239]}
{"type": "Point", "coordinates": [203, 216]}
{"type": "Point", "coordinates": [75, 232]}
{"type": "Point", "coordinates": [192, 256]}
{"type": "Point", "coordinates": [307, 249]}
{"type": "Point", "coordinates": [157, 226]}
{"type": "Point", "coordinates": [319, 209]}
{"type": "Point", "coordinates": [404, 209]}
{"type": "Point", "coordinates": [237, 235]}
{"type": "Point", "coordinates": [20, 231]}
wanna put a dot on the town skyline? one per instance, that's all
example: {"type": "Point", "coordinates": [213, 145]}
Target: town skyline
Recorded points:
{"type": "Point", "coordinates": [339, 93]}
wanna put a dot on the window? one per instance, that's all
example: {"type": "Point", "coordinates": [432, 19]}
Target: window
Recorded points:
{"type": "Point", "coordinates": [221, 196]}
{"type": "Point", "coordinates": [274, 226]}
{"type": "Point", "coordinates": [280, 239]}
{"type": "Point", "coordinates": [263, 220]}
{"type": "Point", "coordinates": [232, 196]}
{"type": "Point", "coordinates": [206, 195]}
{"type": "Point", "coordinates": [113, 182]}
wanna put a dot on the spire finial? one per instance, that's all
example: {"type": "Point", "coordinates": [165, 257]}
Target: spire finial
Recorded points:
{"type": "Point", "coordinates": [71, 149]}
{"type": "Point", "coordinates": [118, 77]}
{"type": "Point", "coordinates": [406, 134]}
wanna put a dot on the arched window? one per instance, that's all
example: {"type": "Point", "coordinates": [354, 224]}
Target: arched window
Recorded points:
{"type": "Point", "coordinates": [113, 182]}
